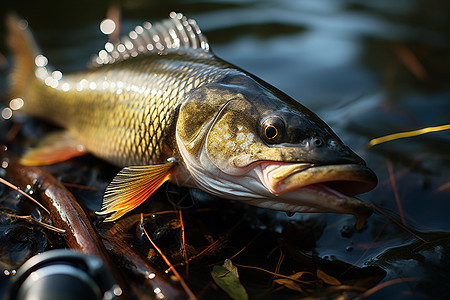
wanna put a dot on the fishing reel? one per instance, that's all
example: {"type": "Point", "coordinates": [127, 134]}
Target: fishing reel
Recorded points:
{"type": "Point", "coordinates": [63, 274]}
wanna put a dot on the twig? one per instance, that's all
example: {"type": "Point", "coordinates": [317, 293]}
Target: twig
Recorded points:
{"type": "Point", "coordinates": [12, 133]}
{"type": "Point", "coordinates": [66, 213]}
{"type": "Point", "coordinates": [151, 278]}
{"type": "Point", "coordinates": [385, 284]}
{"type": "Point", "coordinates": [367, 250]}
{"type": "Point", "coordinates": [280, 260]}
{"type": "Point", "coordinates": [395, 189]}
{"type": "Point", "coordinates": [183, 238]}
{"type": "Point", "coordinates": [249, 243]}
{"type": "Point", "coordinates": [204, 251]}
{"type": "Point", "coordinates": [217, 243]}
{"type": "Point", "coordinates": [398, 223]}
{"type": "Point", "coordinates": [8, 184]}
{"type": "Point", "coordinates": [175, 272]}
{"type": "Point", "coordinates": [164, 212]}
{"type": "Point", "coordinates": [31, 220]}
{"type": "Point", "coordinates": [410, 60]}
{"type": "Point", "coordinates": [443, 187]}
{"type": "Point", "coordinates": [79, 186]}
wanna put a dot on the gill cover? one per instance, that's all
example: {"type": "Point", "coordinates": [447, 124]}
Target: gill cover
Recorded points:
{"type": "Point", "coordinates": [218, 123]}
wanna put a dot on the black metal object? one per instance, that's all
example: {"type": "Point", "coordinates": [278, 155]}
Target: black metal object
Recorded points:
{"type": "Point", "coordinates": [63, 274]}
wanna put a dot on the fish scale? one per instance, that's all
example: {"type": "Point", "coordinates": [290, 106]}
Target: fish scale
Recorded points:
{"type": "Point", "coordinates": [161, 105]}
{"type": "Point", "coordinates": [134, 134]}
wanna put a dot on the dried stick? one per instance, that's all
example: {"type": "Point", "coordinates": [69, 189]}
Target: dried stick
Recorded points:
{"type": "Point", "coordinates": [8, 184]}
{"type": "Point", "coordinates": [65, 212]}
{"type": "Point", "coordinates": [33, 221]}
{"type": "Point", "coordinates": [175, 272]}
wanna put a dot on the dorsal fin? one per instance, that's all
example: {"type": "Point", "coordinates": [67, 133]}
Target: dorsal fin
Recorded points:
{"type": "Point", "coordinates": [176, 32]}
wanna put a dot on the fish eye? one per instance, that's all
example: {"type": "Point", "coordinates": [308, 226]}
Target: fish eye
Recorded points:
{"type": "Point", "coordinates": [271, 132]}
{"type": "Point", "coordinates": [272, 129]}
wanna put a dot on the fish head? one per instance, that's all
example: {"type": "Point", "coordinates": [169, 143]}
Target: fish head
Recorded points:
{"type": "Point", "coordinates": [245, 141]}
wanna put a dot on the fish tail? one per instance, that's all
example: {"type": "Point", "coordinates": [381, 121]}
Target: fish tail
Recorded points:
{"type": "Point", "coordinates": [25, 52]}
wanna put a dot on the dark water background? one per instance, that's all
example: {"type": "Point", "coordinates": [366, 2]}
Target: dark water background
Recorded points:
{"type": "Point", "coordinates": [368, 68]}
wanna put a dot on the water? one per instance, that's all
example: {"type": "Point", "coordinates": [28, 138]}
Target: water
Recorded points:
{"type": "Point", "coordinates": [367, 68]}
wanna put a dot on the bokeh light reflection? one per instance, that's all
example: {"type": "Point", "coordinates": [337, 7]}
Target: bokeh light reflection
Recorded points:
{"type": "Point", "coordinates": [107, 26]}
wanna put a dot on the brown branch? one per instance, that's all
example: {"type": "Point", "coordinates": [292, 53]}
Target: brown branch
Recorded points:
{"type": "Point", "coordinates": [65, 212]}
{"type": "Point", "coordinates": [147, 275]}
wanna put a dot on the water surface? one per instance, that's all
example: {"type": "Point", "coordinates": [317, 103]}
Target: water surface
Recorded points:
{"type": "Point", "coordinates": [367, 68]}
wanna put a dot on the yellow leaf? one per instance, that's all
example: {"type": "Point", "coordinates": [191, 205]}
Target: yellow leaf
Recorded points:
{"type": "Point", "coordinates": [151, 253]}
{"type": "Point", "coordinates": [290, 284]}
{"type": "Point", "coordinates": [297, 275]}
{"type": "Point", "coordinates": [328, 279]}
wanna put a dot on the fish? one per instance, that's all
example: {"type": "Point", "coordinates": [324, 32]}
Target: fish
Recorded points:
{"type": "Point", "coordinates": [163, 107]}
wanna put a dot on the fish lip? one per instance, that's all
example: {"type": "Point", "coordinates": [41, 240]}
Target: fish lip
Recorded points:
{"type": "Point", "coordinates": [347, 179]}
{"type": "Point", "coordinates": [330, 187]}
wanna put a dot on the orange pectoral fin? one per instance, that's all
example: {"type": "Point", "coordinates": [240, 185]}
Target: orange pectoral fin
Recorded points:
{"type": "Point", "coordinates": [132, 186]}
{"type": "Point", "coordinates": [56, 147]}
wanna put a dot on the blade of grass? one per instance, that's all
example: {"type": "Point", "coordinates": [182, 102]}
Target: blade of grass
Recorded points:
{"type": "Point", "coordinates": [407, 134]}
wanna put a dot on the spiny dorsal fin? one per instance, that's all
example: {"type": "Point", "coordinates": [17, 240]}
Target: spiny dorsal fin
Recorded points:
{"type": "Point", "coordinates": [174, 33]}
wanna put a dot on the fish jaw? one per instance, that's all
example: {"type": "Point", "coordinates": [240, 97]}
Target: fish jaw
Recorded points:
{"type": "Point", "coordinates": [279, 186]}
{"type": "Point", "coordinates": [304, 187]}
{"type": "Point", "coordinates": [349, 179]}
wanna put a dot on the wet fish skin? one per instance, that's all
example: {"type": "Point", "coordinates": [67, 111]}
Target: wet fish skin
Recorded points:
{"type": "Point", "coordinates": [125, 113]}
{"type": "Point", "coordinates": [177, 112]}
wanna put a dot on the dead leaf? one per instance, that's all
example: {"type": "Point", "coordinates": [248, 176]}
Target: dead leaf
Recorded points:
{"type": "Point", "coordinates": [297, 275]}
{"type": "Point", "coordinates": [328, 279]}
{"type": "Point", "coordinates": [151, 253]}
{"type": "Point", "coordinates": [290, 284]}
{"type": "Point", "coordinates": [232, 268]}
{"type": "Point", "coordinates": [175, 223]}
{"type": "Point", "coordinates": [292, 281]}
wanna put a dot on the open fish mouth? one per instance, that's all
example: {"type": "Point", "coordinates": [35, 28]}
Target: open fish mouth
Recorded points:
{"type": "Point", "coordinates": [323, 188]}
{"type": "Point", "coordinates": [347, 179]}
